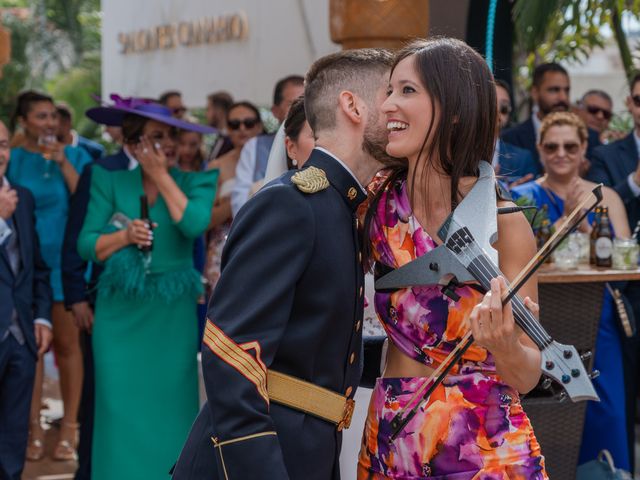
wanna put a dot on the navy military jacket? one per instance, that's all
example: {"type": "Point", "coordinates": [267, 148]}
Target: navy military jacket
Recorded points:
{"type": "Point", "coordinates": [290, 298]}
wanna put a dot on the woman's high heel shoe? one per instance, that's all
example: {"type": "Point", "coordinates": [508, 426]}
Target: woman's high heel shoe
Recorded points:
{"type": "Point", "coordinates": [35, 445]}
{"type": "Point", "coordinates": [66, 447]}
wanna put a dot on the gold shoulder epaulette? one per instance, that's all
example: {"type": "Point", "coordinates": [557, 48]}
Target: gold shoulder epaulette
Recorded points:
{"type": "Point", "coordinates": [310, 180]}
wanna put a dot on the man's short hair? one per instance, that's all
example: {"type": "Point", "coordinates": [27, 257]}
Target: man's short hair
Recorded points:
{"type": "Point", "coordinates": [632, 82]}
{"type": "Point", "coordinates": [350, 70]}
{"type": "Point", "coordinates": [541, 70]}
{"type": "Point", "coordinates": [597, 92]}
{"type": "Point", "coordinates": [64, 111]}
{"type": "Point", "coordinates": [164, 98]}
{"type": "Point", "coordinates": [221, 99]}
{"type": "Point", "coordinates": [278, 91]}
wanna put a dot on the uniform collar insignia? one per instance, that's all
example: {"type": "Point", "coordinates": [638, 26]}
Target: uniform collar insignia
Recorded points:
{"type": "Point", "coordinates": [339, 177]}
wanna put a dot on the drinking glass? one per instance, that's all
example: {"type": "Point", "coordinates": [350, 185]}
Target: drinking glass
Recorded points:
{"type": "Point", "coordinates": [625, 253]}
{"type": "Point", "coordinates": [47, 144]}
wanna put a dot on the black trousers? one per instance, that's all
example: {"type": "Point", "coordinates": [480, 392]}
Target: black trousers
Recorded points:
{"type": "Point", "coordinates": [86, 411]}
{"type": "Point", "coordinates": [17, 373]}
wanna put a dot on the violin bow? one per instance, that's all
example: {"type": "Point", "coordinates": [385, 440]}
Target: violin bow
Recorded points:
{"type": "Point", "coordinates": [588, 203]}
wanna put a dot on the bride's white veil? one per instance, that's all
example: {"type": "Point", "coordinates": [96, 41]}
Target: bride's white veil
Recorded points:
{"type": "Point", "coordinates": [277, 163]}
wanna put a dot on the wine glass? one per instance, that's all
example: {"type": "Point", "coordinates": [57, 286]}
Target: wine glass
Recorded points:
{"type": "Point", "coordinates": [47, 144]}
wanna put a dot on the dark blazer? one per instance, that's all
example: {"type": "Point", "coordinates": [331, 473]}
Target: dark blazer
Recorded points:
{"type": "Point", "coordinates": [523, 135]}
{"type": "Point", "coordinates": [611, 164]}
{"type": "Point", "coordinates": [74, 285]}
{"type": "Point", "coordinates": [93, 148]}
{"type": "Point", "coordinates": [29, 291]}
{"type": "Point", "coordinates": [515, 162]}
{"type": "Point", "coordinates": [291, 297]}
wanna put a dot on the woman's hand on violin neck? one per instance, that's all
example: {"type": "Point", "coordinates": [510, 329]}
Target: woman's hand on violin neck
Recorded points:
{"type": "Point", "coordinates": [152, 160]}
{"type": "Point", "coordinates": [492, 325]}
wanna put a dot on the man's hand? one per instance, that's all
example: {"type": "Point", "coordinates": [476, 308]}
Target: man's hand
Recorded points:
{"type": "Point", "coordinates": [8, 202]}
{"type": "Point", "coordinates": [43, 338]}
{"type": "Point", "coordinates": [527, 178]}
{"type": "Point", "coordinates": [82, 316]}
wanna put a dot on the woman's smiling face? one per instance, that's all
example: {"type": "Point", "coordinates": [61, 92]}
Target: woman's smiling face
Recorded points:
{"type": "Point", "coordinates": [408, 109]}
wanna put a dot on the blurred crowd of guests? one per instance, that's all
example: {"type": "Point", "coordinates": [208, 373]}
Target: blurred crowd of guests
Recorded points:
{"type": "Point", "coordinates": [119, 289]}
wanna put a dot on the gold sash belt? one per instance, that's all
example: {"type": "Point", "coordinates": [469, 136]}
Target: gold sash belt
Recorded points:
{"type": "Point", "coordinates": [309, 398]}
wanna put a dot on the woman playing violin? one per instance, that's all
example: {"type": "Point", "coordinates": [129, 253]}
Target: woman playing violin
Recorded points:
{"type": "Point", "coordinates": [472, 425]}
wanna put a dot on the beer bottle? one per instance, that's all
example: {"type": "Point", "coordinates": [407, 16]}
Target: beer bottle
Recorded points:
{"type": "Point", "coordinates": [594, 235]}
{"type": "Point", "coordinates": [144, 216]}
{"type": "Point", "coordinates": [604, 241]}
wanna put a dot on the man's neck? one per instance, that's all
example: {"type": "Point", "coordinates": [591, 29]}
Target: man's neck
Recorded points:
{"type": "Point", "coordinates": [362, 165]}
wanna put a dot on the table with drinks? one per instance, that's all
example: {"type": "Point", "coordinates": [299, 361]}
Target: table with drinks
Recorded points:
{"type": "Point", "coordinates": [571, 290]}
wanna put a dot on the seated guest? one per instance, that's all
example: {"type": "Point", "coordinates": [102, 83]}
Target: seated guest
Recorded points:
{"type": "Point", "coordinates": [514, 164]}
{"type": "Point", "coordinates": [550, 93]}
{"type": "Point", "coordinates": [25, 295]}
{"type": "Point", "coordinates": [563, 141]}
{"type": "Point", "coordinates": [68, 136]}
{"type": "Point", "coordinates": [617, 166]}
{"type": "Point", "coordinates": [145, 331]}
{"type": "Point", "coordinates": [50, 170]}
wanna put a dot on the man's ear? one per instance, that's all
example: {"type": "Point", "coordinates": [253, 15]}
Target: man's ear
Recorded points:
{"type": "Point", "coordinates": [534, 94]}
{"type": "Point", "coordinates": [349, 105]}
{"type": "Point", "coordinates": [629, 102]}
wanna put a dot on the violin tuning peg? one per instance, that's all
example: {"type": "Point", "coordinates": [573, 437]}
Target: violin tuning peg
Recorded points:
{"type": "Point", "coordinates": [585, 356]}
{"type": "Point", "coordinates": [546, 384]}
{"type": "Point", "coordinates": [594, 374]}
{"type": "Point", "coordinates": [562, 396]}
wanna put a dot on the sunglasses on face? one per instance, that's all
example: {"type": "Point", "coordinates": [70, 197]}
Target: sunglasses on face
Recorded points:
{"type": "Point", "coordinates": [551, 148]}
{"type": "Point", "coordinates": [504, 109]}
{"type": "Point", "coordinates": [636, 100]}
{"type": "Point", "coordinates": [593, 110]}
{"type": "Point", "coordinates": [247, 122]}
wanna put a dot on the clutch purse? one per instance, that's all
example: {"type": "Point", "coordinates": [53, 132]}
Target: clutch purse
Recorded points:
{"type": "Point", "coordinates": [602, 468]}
{"type": "Point", "coordinates": [624, 310]}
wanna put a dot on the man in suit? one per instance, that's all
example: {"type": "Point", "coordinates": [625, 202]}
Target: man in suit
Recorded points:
{"type": "Point", "coordinates": [550, 93]}
{"type": "Point", "coordinates": [80, 297]}
{"type": "Point", "coordinates": [617, 166]}
{"type": "Point", "coordinates": [25, 308]}
{"type": "Point", "coordinates": [514, 164]}
{"type": "Point", "coordinates": [282, 348]}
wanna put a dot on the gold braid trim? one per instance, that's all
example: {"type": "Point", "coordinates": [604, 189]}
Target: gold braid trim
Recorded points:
{"type": "Point", "coordinates": [310, 180]}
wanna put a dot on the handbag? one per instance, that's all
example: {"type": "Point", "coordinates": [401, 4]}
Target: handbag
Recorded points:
{"type": "Point", "coordinates": [602, 468]}
{"type": "Point", "coordinates": [624, 311]}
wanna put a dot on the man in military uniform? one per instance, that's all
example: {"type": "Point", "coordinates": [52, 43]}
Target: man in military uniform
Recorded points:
{"type": "Point", "coordinates": [284, 331]}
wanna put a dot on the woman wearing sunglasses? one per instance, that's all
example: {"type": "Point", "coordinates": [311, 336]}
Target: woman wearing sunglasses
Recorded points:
{"type": "Point", "coordinates": [243, 123]}
{"type": "Point", "coordinates": [563, 142]}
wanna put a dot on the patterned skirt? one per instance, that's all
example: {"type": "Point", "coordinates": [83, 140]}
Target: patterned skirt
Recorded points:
{"type": "Point", "coordinates": [472, 428]}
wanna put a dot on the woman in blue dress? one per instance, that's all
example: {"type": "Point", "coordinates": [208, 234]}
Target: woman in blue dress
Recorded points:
{"type": "Point", "coordinates": [562, 145]}
{"type": "Point", "coordinates": [50, 171]}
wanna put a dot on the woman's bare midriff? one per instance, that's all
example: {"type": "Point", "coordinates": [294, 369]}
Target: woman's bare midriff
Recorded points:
{"type": "Point", "coordinates": [400, 365]}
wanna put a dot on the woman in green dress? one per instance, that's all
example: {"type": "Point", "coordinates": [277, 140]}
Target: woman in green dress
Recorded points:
{"type": "Point", "coordinates": [145, 333]}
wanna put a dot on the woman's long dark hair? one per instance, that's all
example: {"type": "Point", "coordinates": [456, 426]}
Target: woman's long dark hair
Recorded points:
{"type": "Point", "coordinates": [463, 132]}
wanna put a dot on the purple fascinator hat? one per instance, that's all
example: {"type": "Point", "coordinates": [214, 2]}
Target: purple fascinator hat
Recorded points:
{"type": "Point", "coordinates": [113, 115]}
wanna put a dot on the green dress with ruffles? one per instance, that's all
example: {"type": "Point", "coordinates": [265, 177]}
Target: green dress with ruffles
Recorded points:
{"type": "Point", "coordinates": [145, 334]}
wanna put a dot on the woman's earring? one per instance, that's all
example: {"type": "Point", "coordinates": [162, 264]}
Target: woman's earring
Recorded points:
{"type": "Point", "coordinates": [294, 162]}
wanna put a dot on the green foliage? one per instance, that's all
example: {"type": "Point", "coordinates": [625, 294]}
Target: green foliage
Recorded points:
{"type": "Point", "coordinates": [568, 30]}
{"type": "Point", "coordinates": [76, 87]}
{"type": "Point", "coordinates": [17, 75]}
{"type": "Point", "coordinates": [56, 49]}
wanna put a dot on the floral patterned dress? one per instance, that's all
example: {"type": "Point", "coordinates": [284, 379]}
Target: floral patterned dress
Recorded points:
{"type": "Point", "coordinates": [473, 426]}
